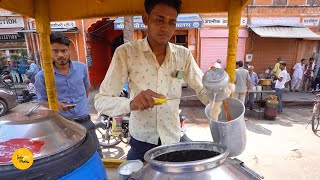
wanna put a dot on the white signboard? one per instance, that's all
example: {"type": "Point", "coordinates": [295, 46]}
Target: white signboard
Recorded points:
{"type": "Point", "coordinates": [4, 12]}
{"type": "Point", "coordinates": [62, 24]}
{"type": "Point", "coordinates": [220, 21]}
{"type": "Point", "coordinates": [11, 22]}
{"type": "Point", "coordinates": [310, 21]}
{"type": "Point", "coordinates": [274, 21]}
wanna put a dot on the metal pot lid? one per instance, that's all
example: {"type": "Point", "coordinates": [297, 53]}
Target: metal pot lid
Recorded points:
{"type": "Point", "coordinates": [44, 133]}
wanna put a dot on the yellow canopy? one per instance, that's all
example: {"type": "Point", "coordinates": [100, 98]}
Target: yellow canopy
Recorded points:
{"type": "Point", "coordinates": [44, 11]}
{"type": "Point", "coordinates": [60, 10]}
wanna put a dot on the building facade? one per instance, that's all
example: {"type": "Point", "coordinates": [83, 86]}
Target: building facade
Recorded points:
{"type": "Point", "coordinates": [269, 29]}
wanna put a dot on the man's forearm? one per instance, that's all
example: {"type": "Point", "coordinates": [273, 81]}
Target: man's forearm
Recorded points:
{"type": "Point", "coordinates": [45, 104]}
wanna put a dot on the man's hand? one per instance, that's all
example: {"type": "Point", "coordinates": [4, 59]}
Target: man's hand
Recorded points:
{"type": "Point", "coordinates": [144, 100]}
{"type": "Point", "coordinates": [65, 105]}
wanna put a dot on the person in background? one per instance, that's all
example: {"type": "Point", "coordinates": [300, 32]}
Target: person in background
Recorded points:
{"type": "Point", "coordinates": [22, 69]}
{"type": "Point", "coordinates": [316, 83]}
{"type": "Point", "coordinates": [253, 82]}
{"type": "Point", "coordinates": [33, 70]}
{"type": "Point", "coordinates": [297, 75]}
{"type": "Point", "coordinates": [15, 75]}
{"type": "Point", "coordinates": [217, 64]}
{"type": "Point", "coordinates": [242, 82]}
{"type": "Point", "coordinates": [276, 70]}
{"type": "Point", "coordinates": [280, 82]}
{"type": "Point", "coordinates": [72, 85]}
{"type": "Point", "coordinates": [29, 92]}
{"type": "Point", "coordinates": [310, 69]}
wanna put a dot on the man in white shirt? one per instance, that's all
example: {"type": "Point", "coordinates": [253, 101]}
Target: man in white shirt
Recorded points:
{"type": "Point", "coordinates": [297, 75]}
{"type": "Point", "coordinates": [154, 69]}
{"type": "Point", "coordinates": [281, 80]}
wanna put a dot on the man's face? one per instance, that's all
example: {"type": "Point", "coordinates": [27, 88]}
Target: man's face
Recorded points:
{"type": "Point", "coordinates": [303, 62]}
{"type": "Point", "coordinates": [250, 70]}
{"type": "Point", "coordinates": [60, 54]}
{"type": "Point", "coordinates": [282, 66]}
{"type": "Point", "coordinates": [161, 23]}
{"type": "Point", "coordinates": [311, 61]}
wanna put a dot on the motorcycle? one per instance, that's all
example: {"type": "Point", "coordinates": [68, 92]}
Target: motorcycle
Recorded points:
{"type": "Point", "coordinates": [113, 130]}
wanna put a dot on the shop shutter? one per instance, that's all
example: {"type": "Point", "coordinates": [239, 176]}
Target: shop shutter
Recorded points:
{"type": "Point", "coordinates": [213, 48]}
{"type": "Point", "coordinates": [267, 50]}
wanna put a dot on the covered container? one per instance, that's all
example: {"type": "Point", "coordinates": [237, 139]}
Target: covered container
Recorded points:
{"type": "Point", "coordinates": [62, 149]}
{"type": "Point", "coordinates": [192, 160]}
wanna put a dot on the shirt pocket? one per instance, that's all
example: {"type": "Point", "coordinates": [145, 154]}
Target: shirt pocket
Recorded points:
{"type": "Point", "coordinates": [175, 87]}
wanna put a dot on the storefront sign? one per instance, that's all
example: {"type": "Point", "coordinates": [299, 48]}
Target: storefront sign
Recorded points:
{"type": "Point", "coordinates": [11, 22]}
{"type": "Point", "coordinates": [276, 21]}
{"type": "Point", "coordinates": [8, 37]}
{"type": "Point", "coordinates": [62, 24]}
{"type": "Point", "coordinates": [183, 21]}
{"type": "Point", "coordinates": [5, 12]}
{"type": "Point", "coordinates": [140, 25]}
{"type": "Point", "coordinates": [310, 21]}
{"type": "Point", "coordinates": [220, 21]}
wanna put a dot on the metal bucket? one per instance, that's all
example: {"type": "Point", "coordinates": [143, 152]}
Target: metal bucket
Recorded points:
{"type": "Point", "coordinates": [229, 133]}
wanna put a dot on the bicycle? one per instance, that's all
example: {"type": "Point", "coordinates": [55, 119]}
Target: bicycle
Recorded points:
{"type": "Point", "coordinates": [315, 114]}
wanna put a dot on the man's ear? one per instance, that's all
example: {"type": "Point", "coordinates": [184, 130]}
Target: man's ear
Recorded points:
{"type": "Point", "coordinates": [145, 18]}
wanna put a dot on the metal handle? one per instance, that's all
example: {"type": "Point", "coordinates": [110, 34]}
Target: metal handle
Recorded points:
{"type": "Point", "coordinates": [33, 109]}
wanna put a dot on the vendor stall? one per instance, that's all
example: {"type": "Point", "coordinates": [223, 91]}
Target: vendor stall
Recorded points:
{"type": "Point", "coordinates": [45, 11]}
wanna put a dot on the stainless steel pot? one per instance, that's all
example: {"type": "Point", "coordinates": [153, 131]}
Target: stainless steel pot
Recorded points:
{"type": "Point", "coordinates": [206, 161]}
{"type": "Point", "coordinates": [55, 133]}
{"type": "Point", "coordinates": [229, 133]}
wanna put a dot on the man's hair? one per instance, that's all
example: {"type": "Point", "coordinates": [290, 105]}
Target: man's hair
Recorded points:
{"type": "Point", "coordinates": [311, 59]}
{"type": "Point", "coordinates": [150, 4]}
{"type": "Point", "coordinates": [60, 38]}
{"type": "Point", "coordinates": [250, 67]}
{"type": "Point", "coordinates": [279, 59]}
{"type": "Point", "coordinates": [239, 63]}
{"type": "Point", "coordinates": [218, 61]}
{"type": "Point", "coordinates": [283, 63]}
{"type": "Point", "coordinates": [303, 59]}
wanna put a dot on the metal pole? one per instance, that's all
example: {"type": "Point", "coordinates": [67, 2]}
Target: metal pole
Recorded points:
{"type": "Point", "coordinates": [43, 28]}
{"type": "Point", "coordinates": [234, 17]}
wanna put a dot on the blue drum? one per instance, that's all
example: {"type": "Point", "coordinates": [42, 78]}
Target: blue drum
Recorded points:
{"type": "Point", "coordinates": [79, 162]}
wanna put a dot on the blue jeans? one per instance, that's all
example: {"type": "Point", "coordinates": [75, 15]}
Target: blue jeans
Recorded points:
{"type": "Point", "coordinates": [139, 148]}
{"type": "Point", "coordinates": [279, 93]}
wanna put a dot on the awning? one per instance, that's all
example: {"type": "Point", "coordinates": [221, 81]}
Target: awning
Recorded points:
{"type": "Point", "coordinates": [285, 32]}
{"type": "Point", "coordinates": [183, 21]}
{"type": "Point", "coordinates": [65, 30]}
{"type": "Point", "coordinates": [10, 30]}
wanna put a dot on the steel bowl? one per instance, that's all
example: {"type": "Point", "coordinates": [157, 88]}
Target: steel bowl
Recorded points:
{"type": "Point", "coordinates": [48, 128]}
{"type": "Point", "coordinates": [265, 82]}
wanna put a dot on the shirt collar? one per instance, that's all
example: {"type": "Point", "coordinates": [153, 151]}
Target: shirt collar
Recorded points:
{"type": "Point", "coordinates": [146, 46]}
{"type": "Point", "coordinates": [72, 68]}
